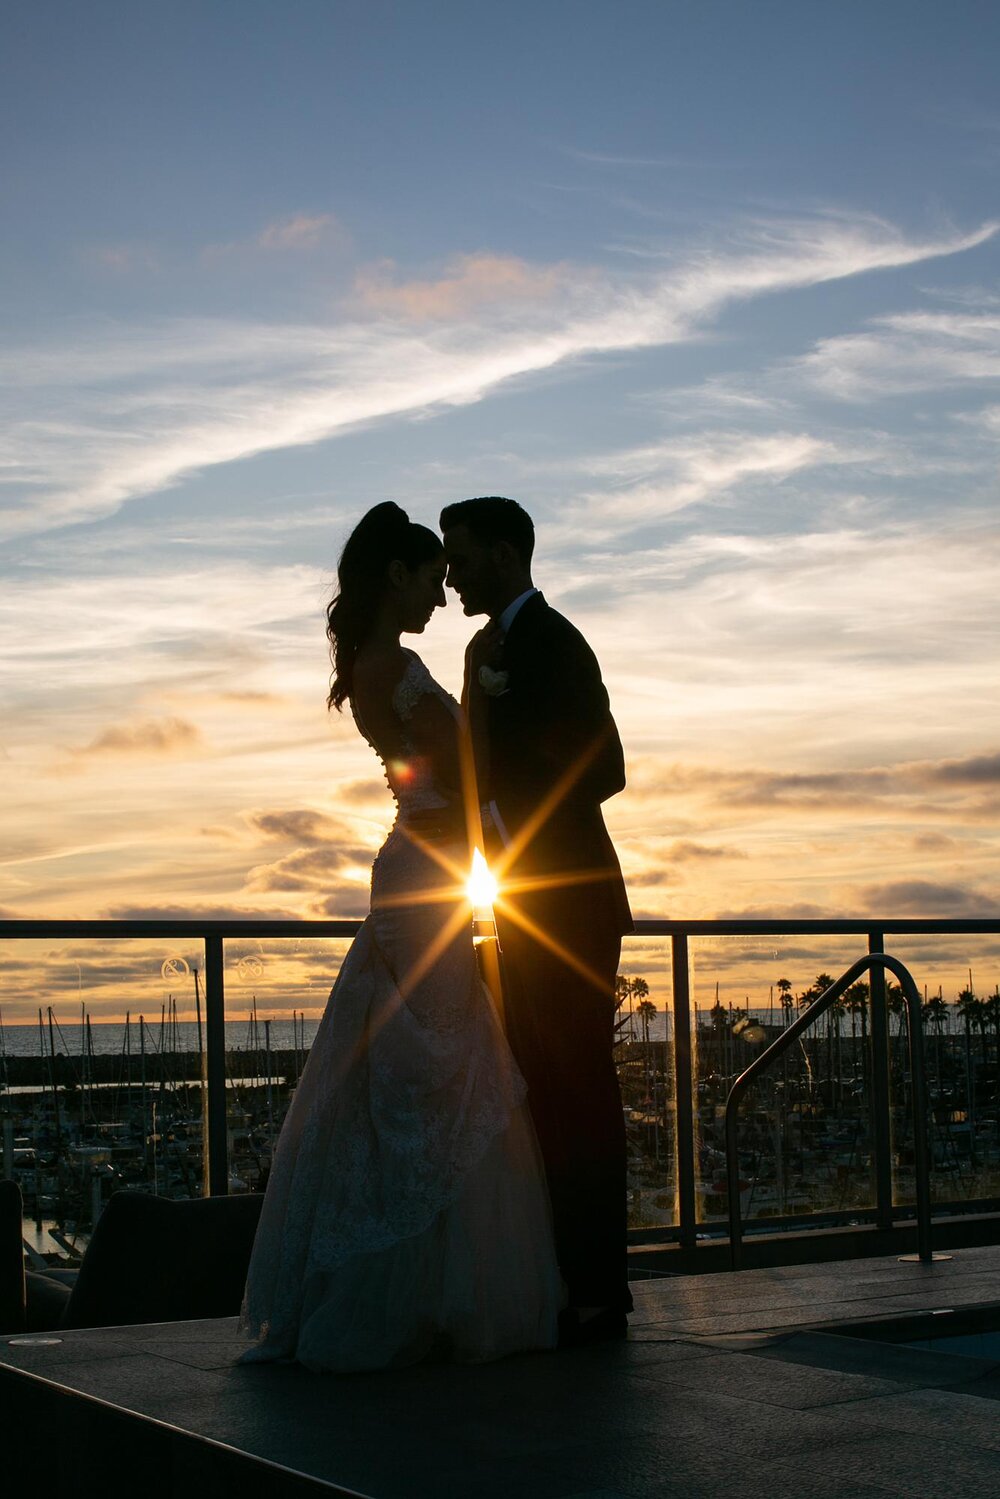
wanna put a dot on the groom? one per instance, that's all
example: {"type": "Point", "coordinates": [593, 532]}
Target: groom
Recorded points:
{"type": "Point", "coordinates": [547, 754]}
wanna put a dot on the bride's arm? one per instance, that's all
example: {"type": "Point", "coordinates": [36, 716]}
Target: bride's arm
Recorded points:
{"type": "Point", "coordinates": [437, 734]}
{"type": "Point", "coordinates": [375, 681]}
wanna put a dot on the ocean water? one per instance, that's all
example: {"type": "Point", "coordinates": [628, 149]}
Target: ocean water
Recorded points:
{"type": "Point", "coordinates": [109, 1039]}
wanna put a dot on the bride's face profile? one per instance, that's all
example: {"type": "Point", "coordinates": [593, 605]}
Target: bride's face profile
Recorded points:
{"type": "Point", "coordinates": [417, 592]}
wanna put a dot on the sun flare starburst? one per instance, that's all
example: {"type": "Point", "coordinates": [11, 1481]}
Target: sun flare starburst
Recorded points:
{"type": "Point", "coordinates": [481, 887]}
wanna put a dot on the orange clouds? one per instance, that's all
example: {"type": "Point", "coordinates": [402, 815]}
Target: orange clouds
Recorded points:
{"type": "Point", "coordinates": [154, 736]}
{"type": "Point", "coordinates": [470, 282]}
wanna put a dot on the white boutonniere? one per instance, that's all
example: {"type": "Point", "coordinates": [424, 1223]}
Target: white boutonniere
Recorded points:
{"type": "Point", "coordinates": [493, 683]}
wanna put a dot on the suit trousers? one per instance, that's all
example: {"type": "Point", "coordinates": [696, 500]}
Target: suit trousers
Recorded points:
{"type": "Point", "coordinates": [559, 965]}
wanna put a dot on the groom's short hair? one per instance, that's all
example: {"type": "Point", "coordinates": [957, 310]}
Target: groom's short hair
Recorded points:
{"type": "Point", "coordinates": [492, 518]}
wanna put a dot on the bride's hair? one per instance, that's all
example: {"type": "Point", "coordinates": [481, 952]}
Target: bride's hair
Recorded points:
{"type": "Point", "coordinates": [386, 534]}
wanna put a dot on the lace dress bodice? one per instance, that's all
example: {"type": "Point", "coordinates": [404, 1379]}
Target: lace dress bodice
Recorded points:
{"type": "Point", "coordinates": [414, 780]}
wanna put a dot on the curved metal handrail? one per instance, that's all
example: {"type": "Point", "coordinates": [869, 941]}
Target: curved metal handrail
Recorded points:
{"type": "Point", "coordinates": [787, 1038]}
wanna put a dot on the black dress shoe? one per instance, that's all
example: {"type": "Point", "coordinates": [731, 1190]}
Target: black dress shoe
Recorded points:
{"type": "Point", "coordinates": [607, 1326]}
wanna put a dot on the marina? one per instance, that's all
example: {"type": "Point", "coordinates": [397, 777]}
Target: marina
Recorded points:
{"type": "Point", "coordinates": [89, 1108]}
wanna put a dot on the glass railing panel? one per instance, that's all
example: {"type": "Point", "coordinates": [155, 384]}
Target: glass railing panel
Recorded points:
{"type": "Point", "coordinates": [805, 1135]}
{"type": "Point", "coordinates": [955, 975]}
{"type": "Point", "coordinates": [108, 1091]}
{"type": "Point", "coordinates": [644, 1056]}
{"type": "Point", "coordinates": [276, 992]}
{"type": "Point", "coordinates": [100, 1077]}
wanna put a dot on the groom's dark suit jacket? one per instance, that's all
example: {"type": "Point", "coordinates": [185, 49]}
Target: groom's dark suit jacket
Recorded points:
{"type": "Point", "coordinates": [554, 757]}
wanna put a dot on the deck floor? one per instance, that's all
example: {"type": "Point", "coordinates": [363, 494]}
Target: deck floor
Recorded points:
{"type": "Point", "coordinates": [726, 1385]}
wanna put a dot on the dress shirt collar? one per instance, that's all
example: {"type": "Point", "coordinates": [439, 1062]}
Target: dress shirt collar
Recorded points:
{"type": "Point", "coordinates": [512, 610]}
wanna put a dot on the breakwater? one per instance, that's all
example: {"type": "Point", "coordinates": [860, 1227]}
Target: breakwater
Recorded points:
{"type": "Point", "coordinates": [157, 1068]}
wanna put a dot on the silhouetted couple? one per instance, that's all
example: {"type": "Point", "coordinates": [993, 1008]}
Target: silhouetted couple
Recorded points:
{"type": "Point", "coordinates": [450, 1177]}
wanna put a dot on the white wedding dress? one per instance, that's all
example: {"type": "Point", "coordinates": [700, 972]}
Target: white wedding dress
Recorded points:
{"type": "Point", "coordinates": [406, 1213]}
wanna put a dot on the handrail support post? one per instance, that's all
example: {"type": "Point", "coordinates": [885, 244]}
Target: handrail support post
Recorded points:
{"type": "Point", "coordinates": [215, 1046]}
{"type": "Point", "coordinates": [881, 1116]}
{"type": "Point", "coordinates": [684, 1096]}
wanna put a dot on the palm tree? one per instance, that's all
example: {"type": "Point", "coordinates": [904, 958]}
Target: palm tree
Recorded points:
{"type": "Point", "coordinates": [856, 1000]}
{"type": "Point", "coordinates": [784, 988]}
{"type": "Point", "coordinates": [991, 1011]}
{"type": "Point", "coordinates": [623, 990]}
{"type": "Point", "coordinates": [980, 1019]}
{"type": "Point", "coordinates": [970, 1009]}
{"type": "Point", "coordinates": [821, 982]}
{"type": "Point", "coordinates": [640, 989]}
{"type": "Point", "coordinates": [936, 1012]}
{"type": "Point", "coordinates": [895, 1003]}
{"type": "Point", "coordinates": [819, 985]}
{"type": "Point", "coordinates": [629, 989]}
{"type": "Point", "coordinates": [645, 1010]}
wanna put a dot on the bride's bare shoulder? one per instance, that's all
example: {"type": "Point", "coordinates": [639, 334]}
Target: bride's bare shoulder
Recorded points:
{"type": "Point", "coordinates": [374, 664]}
{"type": "Point", "coordinates": [377, 672]}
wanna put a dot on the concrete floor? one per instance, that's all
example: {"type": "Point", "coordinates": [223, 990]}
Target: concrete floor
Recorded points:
{"type": "Point", "coordinates": [724, 1386]}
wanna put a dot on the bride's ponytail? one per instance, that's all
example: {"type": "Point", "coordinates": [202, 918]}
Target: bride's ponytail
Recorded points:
{"type": "Point", "coordinates": [385, 534]}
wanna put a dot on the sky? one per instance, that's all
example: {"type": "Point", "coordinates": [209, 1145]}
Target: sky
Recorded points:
{"type": "Point", "coordinates": [711, 288]}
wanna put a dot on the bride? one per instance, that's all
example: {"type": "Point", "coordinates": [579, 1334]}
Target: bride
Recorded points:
{"type": "Point", "coordinates": [406, 1213]}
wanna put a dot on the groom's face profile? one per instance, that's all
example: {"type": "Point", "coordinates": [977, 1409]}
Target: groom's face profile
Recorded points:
{"type": "Point", "coordinates": [474, 571]}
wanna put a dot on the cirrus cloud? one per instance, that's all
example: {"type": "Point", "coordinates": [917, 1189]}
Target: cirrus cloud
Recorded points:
{"type": "Point", "coordinates": [153, 736]}
{"type": "Point", "coordinates": [84, 439]}
{"type": "Point", "coordinates": [470, 282]}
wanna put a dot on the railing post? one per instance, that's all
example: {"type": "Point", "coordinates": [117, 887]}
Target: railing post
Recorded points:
{"type": "Point", "coordinates": [921, 1153]}
{"type": "Point", "coordinates": [880, 1103]}
{"type": "Point", "coordinates": [684, 1092]}
{"type": "Point", "coordinates": [215, 1042]}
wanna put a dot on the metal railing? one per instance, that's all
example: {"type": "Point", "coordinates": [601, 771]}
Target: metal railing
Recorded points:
{"type": "Point", "coordinates": [214, 934]}
{"type": "Point", "coordinates": [825, 1001]}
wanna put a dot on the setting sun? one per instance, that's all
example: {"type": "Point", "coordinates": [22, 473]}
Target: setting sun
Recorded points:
{"type": "Point", "coordinates": [481, 887]}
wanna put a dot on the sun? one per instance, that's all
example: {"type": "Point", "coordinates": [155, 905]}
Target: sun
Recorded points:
{"type": "Point", "coordinates": [481, 886]}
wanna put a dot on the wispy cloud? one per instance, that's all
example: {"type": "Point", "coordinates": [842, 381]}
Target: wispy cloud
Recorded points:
{"type": "Point", "coordinates": [302, 231]}
{"type": "Point", "coordinates": [927, 898]}
{"type": "Point", "coordinates": [299, 233]}
{"type": "Point", "coordinates": [616, 159]}
{"type": "Point", "coordinates": [204, 393]}
{"type": "Point", "coordinates": [685, 850]}
{"type": "Point", "coordinates": [902, 355]}
{"type": "Point", "coordinates": [124, 259]}
{"type": "Point", "coordinates": [469, 283]}
{"type": "Point", "coordinates": [302, 825]}
{"type": "Point", "coordinates": [678, 473]}
{"type": "Point", "coordinates": [928, 788]}
{"type": "Point", "coordinates": [155, 624]}
{"type": "Point", "coordinates": [155, 736]}
{"type": "Point", "coordinates": [313, 869]}
{"type": "Point", "coordinates": [223, 911]}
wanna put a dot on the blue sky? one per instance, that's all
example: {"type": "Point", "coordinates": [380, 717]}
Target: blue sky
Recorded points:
{"type": "Point", "coordinates": [713, 289]}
